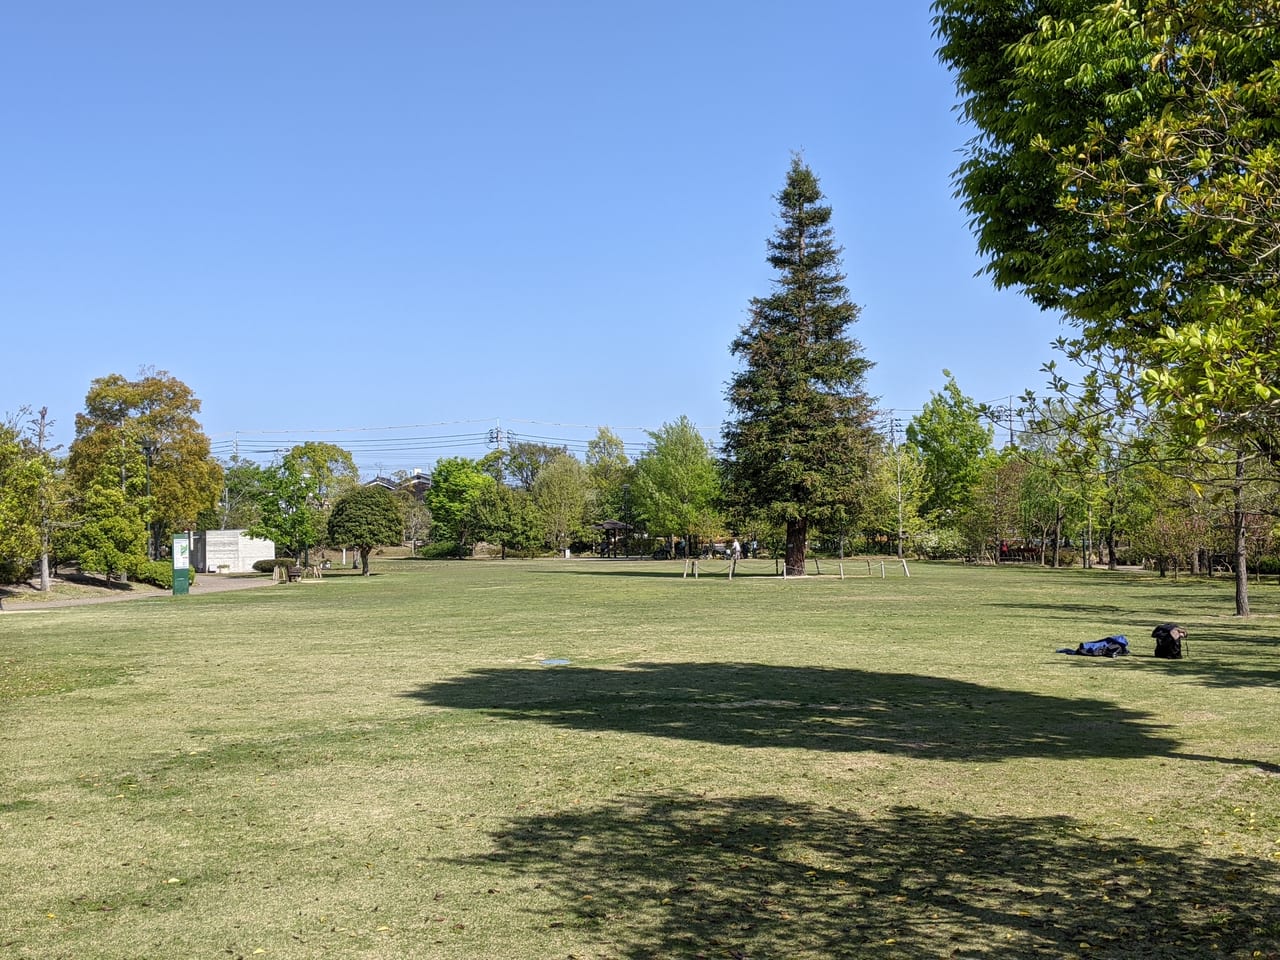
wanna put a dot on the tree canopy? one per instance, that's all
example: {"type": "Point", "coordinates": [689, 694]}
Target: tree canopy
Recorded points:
{"type": "Point", "coordinates": [677, 484]}
{"type": "Point", "coordinates": [456, 484]}
{"type": "Point", "coordinates": [952, 440]}
{"type": "Point", "coordinates": [364, 518]}
{"type": "Point", "coordinates": [158, 410]}
{"type": "Point", "coordinates": [21, 473]}
{"type": "Point", "coordinates": [1126, 171]}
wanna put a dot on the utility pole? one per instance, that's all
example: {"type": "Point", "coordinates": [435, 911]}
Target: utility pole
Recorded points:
{"type": "Point", "coordinates": [894, 423]}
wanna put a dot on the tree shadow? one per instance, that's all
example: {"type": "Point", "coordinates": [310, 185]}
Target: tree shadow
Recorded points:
{"type": "Point", "coordinates": [1223, 655]}
{"type": "Point", "coordinates": [678, 876]}
{"type": "Point", "coordinates": [814, 708]}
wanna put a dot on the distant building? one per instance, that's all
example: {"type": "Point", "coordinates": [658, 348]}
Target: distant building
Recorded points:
{"type": "Point", "coordinates": [229, 551]}
{"type": "Point", "coordinates": [417, 483]}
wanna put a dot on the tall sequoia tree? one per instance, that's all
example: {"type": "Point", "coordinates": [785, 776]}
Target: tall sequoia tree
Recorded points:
{"type": "Point", "coordinates": [799, 447]}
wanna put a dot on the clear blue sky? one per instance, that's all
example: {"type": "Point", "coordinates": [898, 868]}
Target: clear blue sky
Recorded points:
{"type": "Point", "coordinates": [450, 217]}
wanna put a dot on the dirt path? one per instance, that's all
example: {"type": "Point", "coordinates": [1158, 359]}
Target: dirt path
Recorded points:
{"type": "Point", "coordinates": [206, 583]}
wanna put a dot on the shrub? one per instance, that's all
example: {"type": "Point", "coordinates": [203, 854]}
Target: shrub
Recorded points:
{"type": "Point", "coordinates": [438, 551]}
{"type": "Point", "coordinates": [266, 566]}
{"type": "Point", "coordinates": [945, 543]}
{"type": "Point", "coordinates": [11, 571]}
{"type": "Point", "coordinates": [158, 573]}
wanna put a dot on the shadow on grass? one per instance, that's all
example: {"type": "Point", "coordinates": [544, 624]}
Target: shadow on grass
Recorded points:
{"type": "Point", "coordinates": [762, 705]}
{"type": "Point", "coordinates": [1224, 655]}
{"type": "Point", "coordinates": [681, 876]}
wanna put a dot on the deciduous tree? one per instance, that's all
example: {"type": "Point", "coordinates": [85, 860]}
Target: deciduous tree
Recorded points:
{"type": "Point", "coordinates": [1126, 170]}
{"type": "Point", "coordinates": [677, 484]}
{"type": "Point", "coordinates": [952, 441]}
{"type": "Point", "coordinates": [20, 478]}
{"type": "Point", "coordinates": [508, 517]}
{"type": "Point", "coordinates": [525, 459]}
{"type": "Point", "coordinates": [560, 491]}
{"type": "Point", "coordinates": [120, 415]}
{"type": "Point", "coordinates": [364, 518]}
{"type": "Point", "coordinates": [110, 534]}
{"type": "Point", "coordinates": [608, 471]}
{"type": "Point", "coordinates": [287, 511]}
{"type": "Point", "coordinates": [456, 483]}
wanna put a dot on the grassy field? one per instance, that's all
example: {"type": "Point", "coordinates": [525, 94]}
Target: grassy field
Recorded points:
{"type": "Point", "coordinates": [385, 767]}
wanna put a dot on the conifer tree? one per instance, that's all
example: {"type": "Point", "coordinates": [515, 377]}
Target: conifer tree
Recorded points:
{"type": "Point", "coordinates": [799, 446]}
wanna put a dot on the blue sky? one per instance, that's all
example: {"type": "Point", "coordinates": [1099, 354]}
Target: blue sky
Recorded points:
{"type": "Point", "coordinates": [399, 225]}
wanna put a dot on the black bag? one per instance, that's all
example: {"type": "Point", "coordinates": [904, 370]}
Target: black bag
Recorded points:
{"type": "Point", "coordinates": [1169, 637]}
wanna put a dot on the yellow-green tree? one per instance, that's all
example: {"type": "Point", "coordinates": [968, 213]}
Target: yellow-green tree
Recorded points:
{"type": "Point", "coordinates": [1126, 171]}
{"type": "Point", "coordinates": [125, 423]}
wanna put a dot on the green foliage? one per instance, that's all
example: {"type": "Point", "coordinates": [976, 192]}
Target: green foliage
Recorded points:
{"type": "Point", "coordinates": [456, 483]}
{"type": "Point", "coordinates": [266, 566]}
{"type": "Point", "coordinates": [416, 514]}
{"type": "Point", "coordinates": [609, 472]}
{"type": "Point", "coordinates": [677, 485]}
{"type": "Point", "coordinates": [159, 573]}
{"type": "Point", "coordinates": [941, 543]}
{"type": "Point", "coordinates": [288, 507]}
{"type": "Point", "coordinates": [508, 517]}
{"type": "Point", "coordinates": [331, 469]}
{"type": "Point", "coordinates": [952, 440]}
{"type": "Point", "coordinates": [560, 493]}
{"type": "Point", "coordinates": [240, 505]}
{"type": "Point", "coordinates": [800, 441]}
{"type": "Point", "coordinates": [366, 517]}
{"type": "Point", "coordinates": [110, 536]}
{"type": "Point", "coordinates": [896, 495]}
{"type": "Point", "coordinates": [33, 495]}
{"type": "Point", "coordinates": [13, 571]}
{"type": "Point", "coordinates": [1126, 171]}
{"type": "Point", "coordinates": [21, 474]}
{"type": "Point", "coordinates": [440, 550]}
{"type": "Point", "coordinates": [121, 415]}
{"type": "Point", "coordinates": [524, 460]}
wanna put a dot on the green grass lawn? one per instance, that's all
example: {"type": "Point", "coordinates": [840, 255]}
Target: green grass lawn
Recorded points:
{"type": "Point", "coordinates": [384, 767]}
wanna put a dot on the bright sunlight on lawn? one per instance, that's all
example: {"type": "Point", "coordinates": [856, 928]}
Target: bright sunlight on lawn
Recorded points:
{"type": "Point", "coordinates": [385, 767]}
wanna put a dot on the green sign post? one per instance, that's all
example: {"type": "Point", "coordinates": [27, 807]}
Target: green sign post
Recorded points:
{"type": "Point", "coordinates": [181, 564]}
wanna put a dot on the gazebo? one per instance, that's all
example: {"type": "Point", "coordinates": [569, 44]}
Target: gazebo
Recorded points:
{"type": "Point", "coordinates": [613, 531]}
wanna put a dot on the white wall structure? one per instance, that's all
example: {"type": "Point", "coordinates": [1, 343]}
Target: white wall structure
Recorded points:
{"type": "Point", "coordinates": [230, 551]}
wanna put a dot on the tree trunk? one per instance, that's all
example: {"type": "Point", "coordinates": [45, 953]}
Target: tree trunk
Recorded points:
{"type": "Point", "coordinates": [1238, 517]}
{"type": "Point", "coordinates": [797, 531]}
{"type": "Point", "coordinates": [1057, 535]}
